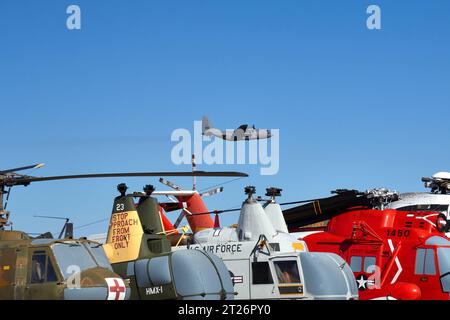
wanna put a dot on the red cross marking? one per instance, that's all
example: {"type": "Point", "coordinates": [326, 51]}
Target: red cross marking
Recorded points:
{"type": "Point", "coordinates": [117, 289]}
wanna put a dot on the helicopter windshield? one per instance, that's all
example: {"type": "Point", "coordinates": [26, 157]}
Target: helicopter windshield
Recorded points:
{"type": "Point", "coordinates": [444, 267]}
{"type": "Point", "coordinates": [99, 254]}
{"type": "Point", "coordinates": [73, 257]}
{"type": "Point", "coordinates": [287, 271]}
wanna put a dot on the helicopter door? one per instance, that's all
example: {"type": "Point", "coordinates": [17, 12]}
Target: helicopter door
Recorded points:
{"type": "Point", "coordinates": [262, 281]}
{"type": "Point", "coordinates": [240, 276]}
{"type": "Point", "coordinates": [7, 272]}
{"type": "Point", "coordinates": [42, 278]}
{"type": "Point", "coordinates": [288, 277]}
{"type": "Point", "coordinates": [425, 273]}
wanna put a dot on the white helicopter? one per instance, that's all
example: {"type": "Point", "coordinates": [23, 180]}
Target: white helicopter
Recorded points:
{"type": "Point", "coordinates": [244, 132]}
{"type": "Point", "coordinates": [266, 262]}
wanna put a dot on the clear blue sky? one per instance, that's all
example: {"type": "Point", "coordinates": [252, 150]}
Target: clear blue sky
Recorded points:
{"type": "Point", "coordinates": [356, 108]}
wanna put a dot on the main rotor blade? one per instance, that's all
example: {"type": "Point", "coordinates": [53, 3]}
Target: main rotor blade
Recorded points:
{"type": "Point", "coordinates": [170, 184]}
{"type": "Point", "coordinates": [211, 192]}
{"type": "Point", "coordinates": [28, 180]}
{"type": "Point", "coordinates": [34, 166]}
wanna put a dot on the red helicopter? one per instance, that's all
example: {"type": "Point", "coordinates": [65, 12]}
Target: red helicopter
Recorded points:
{"type": "Point", "coordinates": [393, 254]}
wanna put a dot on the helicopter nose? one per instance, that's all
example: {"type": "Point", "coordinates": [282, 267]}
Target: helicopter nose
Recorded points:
{"type": "Point", "coordinates": [98, 284]}
{"type": "Point", "coordinates": [112, 289]}
{"type": "Point", "coordinates": [93, 293]}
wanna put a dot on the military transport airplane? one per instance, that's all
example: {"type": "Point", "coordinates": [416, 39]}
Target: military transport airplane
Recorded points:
{"type": "Point", "coordinates": [244, 132]}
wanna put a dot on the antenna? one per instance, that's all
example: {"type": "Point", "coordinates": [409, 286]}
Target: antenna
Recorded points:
{"type": "Point", "coordinates": [67, 229]}
{"type": "Point", "coordinates": [194, 168]}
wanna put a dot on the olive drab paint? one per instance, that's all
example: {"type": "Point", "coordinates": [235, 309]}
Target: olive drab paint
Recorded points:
{"type": "Point", "coordinates": [18, 267]}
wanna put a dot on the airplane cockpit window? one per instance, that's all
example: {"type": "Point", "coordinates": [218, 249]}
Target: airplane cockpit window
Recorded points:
{"type": "Point", "coordinates": [71, 256]}
{"type": "Point", "coordinates": [287, 271]}
{"type": "Point", "coordinates": [243, 127]}
{"type": "Point", "coordinates": [261, 273]}
{"type": "Point", "coordinates": [444, 267]}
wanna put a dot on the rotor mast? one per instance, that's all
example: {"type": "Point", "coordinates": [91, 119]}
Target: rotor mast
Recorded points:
{"type": "Point", "coordinates": [6, 177]}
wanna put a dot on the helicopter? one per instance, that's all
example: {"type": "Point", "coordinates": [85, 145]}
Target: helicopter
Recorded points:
{"type": "Point", "coordinates": [139, 251]}
{"type": "Point", "coordinates": [265, 261]}
{"type": "Point", "coordinates": [394, 254]}
{"type": "Point", "coordinates": [72, 269]}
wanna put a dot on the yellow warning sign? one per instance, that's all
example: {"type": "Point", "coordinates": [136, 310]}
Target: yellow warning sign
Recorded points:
{"type": "Point", "coordinates": [124, 237]}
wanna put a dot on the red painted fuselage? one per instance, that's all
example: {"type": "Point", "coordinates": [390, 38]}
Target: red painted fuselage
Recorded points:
{"type": "Point", "coordinates": [392, 253]}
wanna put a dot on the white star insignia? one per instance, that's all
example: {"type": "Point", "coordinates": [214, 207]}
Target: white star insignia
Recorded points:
{"type": "Point", "coordinates": [361, 283]}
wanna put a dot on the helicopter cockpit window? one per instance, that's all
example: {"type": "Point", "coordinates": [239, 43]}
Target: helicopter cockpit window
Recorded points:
{"type": "Point", "coordinates": [261, 273]}
{"type": "Point", "coordinates": [425, 262]}
{"type": "Point", "coordinates": [356, 263]}
{"type": "Point", "coordinates": [369, 263]}
{"type": "Point", "coordinates": [287, 271]}
{"type": "Point", "coordinates": [444, 267]}
{"type": "Point", "coordinates": [99, 255]}
{"type": "Point", "coordinates": [51, 274]}
{"type": "Point", "coordinates": [72, 256]}
{"type": "Point", "coordinates": [42, 268]}
{"type": "Point", "coordinates": [38, 267]}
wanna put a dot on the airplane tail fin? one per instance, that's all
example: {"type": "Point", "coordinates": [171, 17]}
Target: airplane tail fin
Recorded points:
{"type": "Point", "coordinates": [206, 125]}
